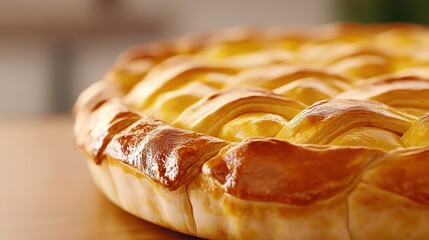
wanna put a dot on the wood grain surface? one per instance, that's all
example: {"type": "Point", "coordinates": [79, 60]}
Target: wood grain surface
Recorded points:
{"type": "Point", "coordinates": [46, 191]}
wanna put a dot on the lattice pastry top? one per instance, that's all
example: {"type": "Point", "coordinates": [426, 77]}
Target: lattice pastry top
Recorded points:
{"type": "Point", "coordinates": [286, 116]}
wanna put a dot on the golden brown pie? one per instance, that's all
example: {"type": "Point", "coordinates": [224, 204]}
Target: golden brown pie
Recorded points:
{"type": "Point", "coordinates": [318, 133]}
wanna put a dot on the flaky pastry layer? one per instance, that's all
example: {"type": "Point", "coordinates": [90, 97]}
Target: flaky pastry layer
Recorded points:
{"type": "Point", "coordinates": [270, 128]}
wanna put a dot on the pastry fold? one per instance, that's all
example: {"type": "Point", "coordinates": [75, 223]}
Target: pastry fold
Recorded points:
{"type": "Point", "coordinates": [268, 133]}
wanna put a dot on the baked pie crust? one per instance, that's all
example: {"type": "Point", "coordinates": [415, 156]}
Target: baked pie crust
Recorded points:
{"type": "Point", "coordinates": [311, 133]}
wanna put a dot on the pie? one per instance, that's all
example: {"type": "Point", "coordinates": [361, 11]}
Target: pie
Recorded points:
{"type": "Point", "coordinates": [268, 133]}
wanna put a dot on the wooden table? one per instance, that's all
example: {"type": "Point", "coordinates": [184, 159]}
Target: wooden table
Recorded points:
{"type": "Point", "coordinates": [46, 191]}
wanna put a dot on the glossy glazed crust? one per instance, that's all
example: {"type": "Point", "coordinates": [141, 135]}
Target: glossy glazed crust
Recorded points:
{"type": "Point", "coordinates": [180, 174]}
{"type": "Point", "coordinates": [376, 199]}
{"type": "Point", "coordinates": [304, 175]}
{"type": "Point", "coordinates": [168, 155]}
{"type": "Point", "coordinates": [202, 208]}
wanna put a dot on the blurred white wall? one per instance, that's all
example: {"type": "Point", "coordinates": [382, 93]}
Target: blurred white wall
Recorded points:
{"type": "Point", "coordinates": [24, 76]}
{"type": "Point", "coordinates": [51, 50]}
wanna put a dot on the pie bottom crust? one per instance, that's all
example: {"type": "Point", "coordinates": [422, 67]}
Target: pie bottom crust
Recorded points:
{"type": "Point", "coordinates": [203, 209]}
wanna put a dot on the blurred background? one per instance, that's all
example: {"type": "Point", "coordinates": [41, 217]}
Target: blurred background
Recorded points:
{"type": "Point", "coordinates": [51, 50]}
